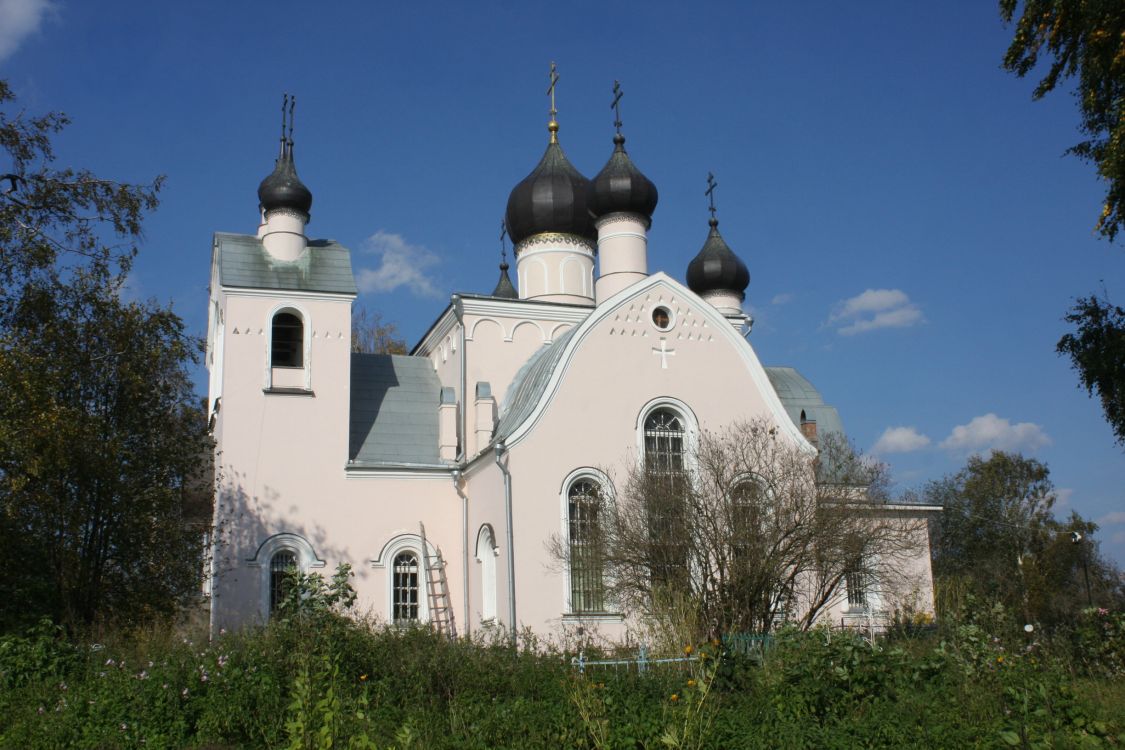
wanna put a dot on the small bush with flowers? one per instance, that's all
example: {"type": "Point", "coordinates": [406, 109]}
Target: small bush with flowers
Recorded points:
{"type": "Point", "coordinates": [1099, 642]}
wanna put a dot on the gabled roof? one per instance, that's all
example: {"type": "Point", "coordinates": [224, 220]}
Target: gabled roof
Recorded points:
{"type": "Point", "coordinates": [394, 410]}
{"type": "Point", "coordinates": [326, 266]}
{"type": "Point", "coordinates": [798, 395]}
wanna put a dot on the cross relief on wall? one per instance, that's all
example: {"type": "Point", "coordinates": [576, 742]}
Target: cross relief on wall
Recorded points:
{"type": "Point", "coordinates": [664, 353]}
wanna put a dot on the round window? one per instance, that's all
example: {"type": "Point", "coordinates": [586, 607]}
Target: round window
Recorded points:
{"type": "Point", "coordinates": [662, 318]}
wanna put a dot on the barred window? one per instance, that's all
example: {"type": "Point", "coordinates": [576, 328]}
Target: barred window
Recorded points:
{"type": "Point", "coordinates": [287, 341]}
{"type": "Point", "coordinates": [666, 505]}
{"type": "Point", "coordinates": [664, 443]}
{"type": "Point", "coordinates": [586, 563]}
{"type": "Point", "coordinates": [855, 580]}
{"type": "Point", "coordinates": [405, 583]}
{"type": "Point", "coordinates": [282, 565]}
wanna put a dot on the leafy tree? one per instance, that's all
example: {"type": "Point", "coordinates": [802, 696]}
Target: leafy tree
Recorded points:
{"type": "Point", "coordinates": [52, 219]}
{"type": "Point", "coordinates": [998, 540]}
{"type": "Point", "coordinates": [1097, 352]}
{"type": "Point", "coordinates": [1084, 38]}
{"type": "Point", "coordinates": [370, 335]}
{"type": "Point", "coordinates": [101, 444]}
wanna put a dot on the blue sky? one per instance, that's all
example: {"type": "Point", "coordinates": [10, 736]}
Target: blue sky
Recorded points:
{"type": "Point", "coordinates": [913, 230]}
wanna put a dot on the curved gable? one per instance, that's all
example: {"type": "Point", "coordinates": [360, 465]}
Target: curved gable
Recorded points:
{"type": "Point", "coordinates": [538, 381]}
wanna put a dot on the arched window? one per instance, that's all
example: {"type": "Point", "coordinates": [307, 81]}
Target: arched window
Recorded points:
{"type": "Point", "coordinates": [274, 559]}
{"type": "Point", "coordinates": [405, 580]}
{"type": "Point", "coordinates": [287, 341]}
{"type": "Point", "coordinates": [664, 443]}
{"type": "Point", "coordinates": [282, 565]}
{"type": "Point", "coordinates": [486, 556]}
{"type": "Point", "coordinates": [587, 592]}
{"type": "Point", "coordinates": [667, 509]}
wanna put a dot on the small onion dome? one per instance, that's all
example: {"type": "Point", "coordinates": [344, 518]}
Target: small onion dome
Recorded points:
{"type": "Point", "coordinates": [504, 286]}
{"type": "Point", "coordinates": [555, 197]}
{"type": "Point", "coordinates": [620, 186]}
{"type": "Point", "coordinates": [282, 188]}
{"type": "Point", "coordinates": [717, 268]}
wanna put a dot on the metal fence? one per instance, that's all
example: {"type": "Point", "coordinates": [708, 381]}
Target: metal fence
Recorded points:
{"type": "Point", "coordinates": [640, 664]}
{"type": "Point", "coordinates": [749, 645]}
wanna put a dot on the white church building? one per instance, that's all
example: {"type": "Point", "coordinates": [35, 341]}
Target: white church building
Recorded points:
{"type": "Point", "coordinates": [441, 476]}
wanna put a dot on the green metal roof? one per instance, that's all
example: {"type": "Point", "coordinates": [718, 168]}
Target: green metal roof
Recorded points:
{"type": "Point", "coordinates": [529, 385]}
{"type": "Point", "coordinates": [798, 395]}
{"type": "Point", "coordinates": [326, 266]}
{"type": "Point", "coordinates": [394, 410]}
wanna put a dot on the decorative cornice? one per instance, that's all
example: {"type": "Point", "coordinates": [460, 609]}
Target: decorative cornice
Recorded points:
{"type": "Point", "coordinates": [287, 212]}
{"type": "Point", "coordinates": [623, 216]}
{"type": "Point", "coordinates": [446, 322]}
{"type": "Point", "coordinates": [520, 309]}
{"type": "Point", "coordinates": [555, 238]}
{"type": "Point", "coordinates": [237, 291]}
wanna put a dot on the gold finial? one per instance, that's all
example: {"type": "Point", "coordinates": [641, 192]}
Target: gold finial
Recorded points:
{"type": "Point", "coordinates": [553, 125]}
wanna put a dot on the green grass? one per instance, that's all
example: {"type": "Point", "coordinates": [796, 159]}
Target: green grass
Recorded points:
{"type": "Point", "coordinates": [328, 682]}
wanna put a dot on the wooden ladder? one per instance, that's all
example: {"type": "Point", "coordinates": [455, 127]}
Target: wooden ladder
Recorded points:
{"type": "Point", "coordinates": [437, 590]}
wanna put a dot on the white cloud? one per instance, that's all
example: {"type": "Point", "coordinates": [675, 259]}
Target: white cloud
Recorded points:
{"type": "Point", "coordinates": [992, 432]}
{"type": "Point", "coordinates": [1062, 497]}
{"type": "Point", "coordinates": [781, 299]}
{"type": "Point", "coordinates": [900, 440]}
{"type": "Point", "coordinates": [401, 265]}
{"type": "Point", "coordinates": [1112, 519]}
{"type": "Point", "coordinates": [19, 19]}
{"type": "Point", "coordinates": [875, 308]}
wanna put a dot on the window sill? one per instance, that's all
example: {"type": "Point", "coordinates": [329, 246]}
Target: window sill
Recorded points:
{"type": "Point", "coordinates": [288, 392]}
{"type": "Point", "coordinates": [593, 617]}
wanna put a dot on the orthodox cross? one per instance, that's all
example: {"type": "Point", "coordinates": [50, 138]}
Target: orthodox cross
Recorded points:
{"type": "Point", "coordinates": [284, 106]}
{"type": "Point", "coordinates": [553, 76]}
{"type": "Point", "coordinates": [503, 245]}
{"type": "Point", "coordinates": [663, 351]}
{"type": "Point", "coordinates": [710, 192]}
{"type": "Point", "coordinates": [292, 105]}
{"type": "Point", "coordinates": [616, 107]}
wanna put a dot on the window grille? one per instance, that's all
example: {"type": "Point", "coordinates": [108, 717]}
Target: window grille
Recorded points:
{"type": "Point", "coordinates": [855, 581]}
{"type": "Point", "coordinates": [282, 565]}
{"type": "Point", "coordinates": [665, 472]}
{"type": "Point", "coordinates": [586, 564]}
{"type": "Point", "coordinates": [664, 443]}
{"type": "Point", "coordinates": [287, 341]}
{"type": "Point", "coordinates": [405, 585]}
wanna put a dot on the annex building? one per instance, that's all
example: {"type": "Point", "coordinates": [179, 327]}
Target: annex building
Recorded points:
{"type": "Point", "coordinates": [442, 475]}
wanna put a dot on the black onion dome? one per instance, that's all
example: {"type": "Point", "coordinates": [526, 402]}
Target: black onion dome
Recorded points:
{"type": "Point", "coordinates": [504, 286]}
{"type": "Point", "coordinates": [620, 186]}
{"type": "Point", "coordinates": [282, 188]}
{"type": "Point", "coordinates": [717, 268]}
{"type": "Point", "coordinates": [555, 197]}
